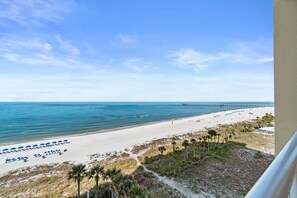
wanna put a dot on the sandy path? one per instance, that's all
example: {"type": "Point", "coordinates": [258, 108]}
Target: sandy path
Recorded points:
{"type": "Point", "coordinates": [182, 189]}
{"type": "Point", "coordinates": [81, 147]}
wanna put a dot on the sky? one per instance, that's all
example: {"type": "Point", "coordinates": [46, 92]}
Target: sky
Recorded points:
{"type": "Point", "coordinates": [136, 50]}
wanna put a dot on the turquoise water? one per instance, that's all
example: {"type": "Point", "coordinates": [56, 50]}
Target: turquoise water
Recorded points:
{"type": "Point", "coordinates": [21, 122]}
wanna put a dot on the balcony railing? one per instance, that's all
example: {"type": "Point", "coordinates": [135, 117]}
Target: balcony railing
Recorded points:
{"type": "Point", "coordinates": [280, 179]}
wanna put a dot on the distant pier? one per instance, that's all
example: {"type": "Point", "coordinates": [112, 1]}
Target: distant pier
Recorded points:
{"type": "Point", "coordinates": [239, 106]}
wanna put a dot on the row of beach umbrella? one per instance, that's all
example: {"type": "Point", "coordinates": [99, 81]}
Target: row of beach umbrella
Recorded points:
{"type": "Point", "coordinates": [16, 159]}
{"type": "Point", "coordinates": [22, 148]}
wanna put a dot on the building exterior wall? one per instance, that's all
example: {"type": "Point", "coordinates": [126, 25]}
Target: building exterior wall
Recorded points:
{"type": "Point", "coordinates": [285, 70]}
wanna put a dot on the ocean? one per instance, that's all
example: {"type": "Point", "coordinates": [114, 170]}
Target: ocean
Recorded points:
{"type": "Point", "coordinates": [27, 121]}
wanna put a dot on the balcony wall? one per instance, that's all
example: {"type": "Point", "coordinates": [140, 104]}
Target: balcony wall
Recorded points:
{"type": "Point", "coordinates": [285, 70]}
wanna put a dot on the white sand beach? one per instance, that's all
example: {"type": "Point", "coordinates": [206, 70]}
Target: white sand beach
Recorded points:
{"type": "Point", "coordinates": [81, 147]}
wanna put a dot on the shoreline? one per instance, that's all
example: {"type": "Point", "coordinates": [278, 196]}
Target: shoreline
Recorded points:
{"type": "Point", "coordinates": [10, 144]}
{"type": "Point", "coordinates": [82, 146]}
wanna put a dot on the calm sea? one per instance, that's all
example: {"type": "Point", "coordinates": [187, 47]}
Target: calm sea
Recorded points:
{"type": "Point", "coordinates": [21, 122]}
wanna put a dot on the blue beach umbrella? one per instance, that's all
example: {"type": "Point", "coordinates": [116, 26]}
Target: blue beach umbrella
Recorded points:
{"type": "Point", "coordinates": [60, 141]}
{"type": "Point", "coordinates": [42, 144]}
{"type": "Point", "coordinates": [20, 147]}
{"type": "Point", "coordinates": [13, 148]}
{"type": "Point", "coordinates": [28, 146]}
{"type": "Point", "coordinates": [35, 145]}
{"type": "Point", "coordinates": [6, 149]}
{"type": "Point", "coordinates": [48, 143]}
{"type": "Point", "coordinates": [54, 142]}
{"type": "Point", "coordinates": [66, 141]}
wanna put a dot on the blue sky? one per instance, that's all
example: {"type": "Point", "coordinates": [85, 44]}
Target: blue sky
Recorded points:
{"type": "Point", "coordinates": [136, 50]}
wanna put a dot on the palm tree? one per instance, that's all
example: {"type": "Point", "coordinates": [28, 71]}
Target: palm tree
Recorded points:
{"type": "Point", "coordinates": [77, 173]}
{"type": "Point", "coordinates": [204, 141]}
{"type": "Point", "coordinates": [208, 138]}
{"type": "Point", "coordinates": [209, 134]}
{"type": "Point", "coordinates": [111, 174]}
{"type": "Point", "coordinates": [193, 140]}
{"type": "Point", "coordinates": [218, 137]}
{"type": "Point", "coordinates": [212, 133]}
{"type": "Point", "coordinates": [161, 149]}
{"type": "Point", "coordinates": [226, 135]}
{"type": "Point", "coordinates": [173, 145]}
{"type": "Point", "coordinates": [105, 178]}
{"type": "Point", "coordinates": [95, 173]}
{"type": "Point", "coordinates": [118, 182]}
{"type": "Point", "coordinates": [226, 139]}
{"type": "Point", "coordinates": [186, 144]}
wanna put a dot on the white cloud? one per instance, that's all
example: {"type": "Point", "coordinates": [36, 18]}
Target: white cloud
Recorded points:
{"type": "Point", "coordinates": [126, 38]}
{"type": "Point", "coordinates": [8, 44]}
{"type": "Point", "coordinates": [32, 12]}
{"type": "Point", "coordinates": [136, 64]}
{"type": "Point", "coordinates": [39, 59]}
{"type": "Point", "coordinates": [244, 53]}
{"type": "Point", "coordinates": [190, 58]}
{"type": "Point", "coordinates": [40, 52]}
{"type": "Point", "coordinates": [257, 52]}
{"type": "Point", "coordinates": [68, 46]}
